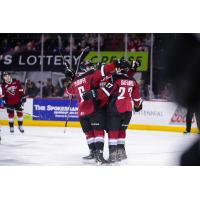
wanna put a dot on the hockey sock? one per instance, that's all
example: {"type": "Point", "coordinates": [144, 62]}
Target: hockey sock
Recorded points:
{"type": "Point", "coordinates": [20, 121]}
{"type": "Point", "coordinates": [112, 137]}
{"type": "Point", "coordinates": [90, 140]}
{"type": "Point", "coordinates": [11, 119]}
{"type": "Point", "coordinates": [112, 141]}
{"type": "Point", "coordinates": [11, 122]}
{"type": "Point", "coordinates": [121, 139]}
{"type": "Point", "coordinates": [99, 139]}
{"type": "Point", "coordinates": [20, 118]}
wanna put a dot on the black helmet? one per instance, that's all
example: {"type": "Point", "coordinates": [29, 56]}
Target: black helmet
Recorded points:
{"type": "Point", "coordinates": [5, 73]}
{"type": "Point", "coordinates": [86, 66]}
{"type": "Point", "coordinates": [123, 66]}
{"type": "Point", "coordinates": [69, 74]}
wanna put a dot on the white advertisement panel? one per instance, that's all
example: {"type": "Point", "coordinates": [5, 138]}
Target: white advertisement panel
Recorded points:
{"type": "Point", "coordinates": [28, 108]}
{"type": "Point", "coordinates": [160, 113]}
{"type": "Point", "coordinates": [153, 113]}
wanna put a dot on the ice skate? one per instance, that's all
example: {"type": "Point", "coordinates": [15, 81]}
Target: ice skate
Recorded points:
{"type": "Point", "coordinates": [121, 154]}
{"type": "Point", "coordinates": [90, 156]}
{"type": "Point", "coordinates": [11, 129]}
{"type": "Point", "coordinates": [112, 156]}
{"type": "Point", "coordinates": [21, 129]}
{"type": "Point", "coordinates": [186, 132]}
{"type": "Point", "coordinates": [100, 159]}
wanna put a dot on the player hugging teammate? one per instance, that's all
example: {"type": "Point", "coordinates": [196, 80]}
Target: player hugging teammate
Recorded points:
{"type": "Point", "coordinates": [13, 100]}
{"type": "Point", "coordinates": [91, 116]}
{"type": "Point", "coordinates": [108, 107]}
{"type": "Point", "coordinates": [122, 96]}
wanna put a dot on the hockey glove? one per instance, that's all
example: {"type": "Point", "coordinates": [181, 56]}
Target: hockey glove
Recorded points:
{"type": "Point", "coordinates": [138, 108]}
{"type": "Point", "coordinates": [23, 100]}
{"type": "Point", "coordinates": [135, 64]}
{"type": "Point", "coordinates": [92, 94]}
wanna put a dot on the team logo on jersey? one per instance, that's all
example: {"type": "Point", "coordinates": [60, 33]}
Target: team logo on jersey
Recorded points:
{"type": "Point", "coordinates": [11, 90]}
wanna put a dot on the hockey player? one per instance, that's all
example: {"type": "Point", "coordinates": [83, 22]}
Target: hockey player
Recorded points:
{"type": "Point", "coordinates": [121, 92]}
{"type": "Point", "coordinates": [90, 115]}
{"type": "Point", "coordinates": [13, 95]}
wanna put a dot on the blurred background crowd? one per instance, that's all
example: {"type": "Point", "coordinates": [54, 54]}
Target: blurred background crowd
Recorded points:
{"type": "Point", "coordinates": [52, 82]}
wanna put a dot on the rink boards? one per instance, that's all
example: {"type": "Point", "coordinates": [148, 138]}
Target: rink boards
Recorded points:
{"type": "Point", "coordinates": [156, 115]}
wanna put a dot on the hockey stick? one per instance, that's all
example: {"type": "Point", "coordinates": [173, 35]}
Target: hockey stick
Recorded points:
{"type": "Point", "coordinates": [20, 111]}
{"type": "Point", "coordinates": [70, 103]}
{"type": "Point", "coordinates": [78, 64]}
{"type": "Point", "coordinates": [86, 50]}
{"type": "Point", "coordinates": [67, 66]}
{"type": "Point", "coordinates": [25, 85]}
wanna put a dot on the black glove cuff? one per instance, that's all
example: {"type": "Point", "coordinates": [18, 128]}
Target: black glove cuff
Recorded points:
{"type": "Point", "coordinates": [138, 108]}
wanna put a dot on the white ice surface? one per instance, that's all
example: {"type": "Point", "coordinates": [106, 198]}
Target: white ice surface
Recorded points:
{"type": "Point", "coordinates": [50, 146]}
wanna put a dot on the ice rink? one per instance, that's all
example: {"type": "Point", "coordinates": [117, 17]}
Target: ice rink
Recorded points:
{"type": "Point", "coordinates": [48, 146]}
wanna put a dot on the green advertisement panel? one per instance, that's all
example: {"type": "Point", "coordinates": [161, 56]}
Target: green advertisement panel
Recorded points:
{"type": "Point", "coordinates": [109, 56]}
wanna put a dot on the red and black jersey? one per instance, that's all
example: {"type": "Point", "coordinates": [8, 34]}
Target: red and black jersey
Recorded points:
{"type": "Point", "coordinates": [104, 99]}
{"type": "Point", "coordinates": [12, 92]}
{"type": "Point", "coordinates": [87, 82]}
{"type": "Point", "coordinates": [123, 95]}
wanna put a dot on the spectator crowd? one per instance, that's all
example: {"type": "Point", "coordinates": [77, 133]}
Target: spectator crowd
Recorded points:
{"type": "Point", "coordinates": [13, 43]}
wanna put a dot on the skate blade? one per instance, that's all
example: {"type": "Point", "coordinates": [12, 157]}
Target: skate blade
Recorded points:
{"type": "Point", "coordinates": [89, 162]}
{"type": "Point", "coordinates": [102, 164]}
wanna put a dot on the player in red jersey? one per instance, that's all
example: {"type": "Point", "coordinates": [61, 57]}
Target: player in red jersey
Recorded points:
{"type": "Point", "coordinates": [90, 115]}
{"type": "Point", "coordinates": [121, 93]}
{"type": "Point", "coordinates": [13, 95]}
{"type": "Point", "coordinates": [109, 79]}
